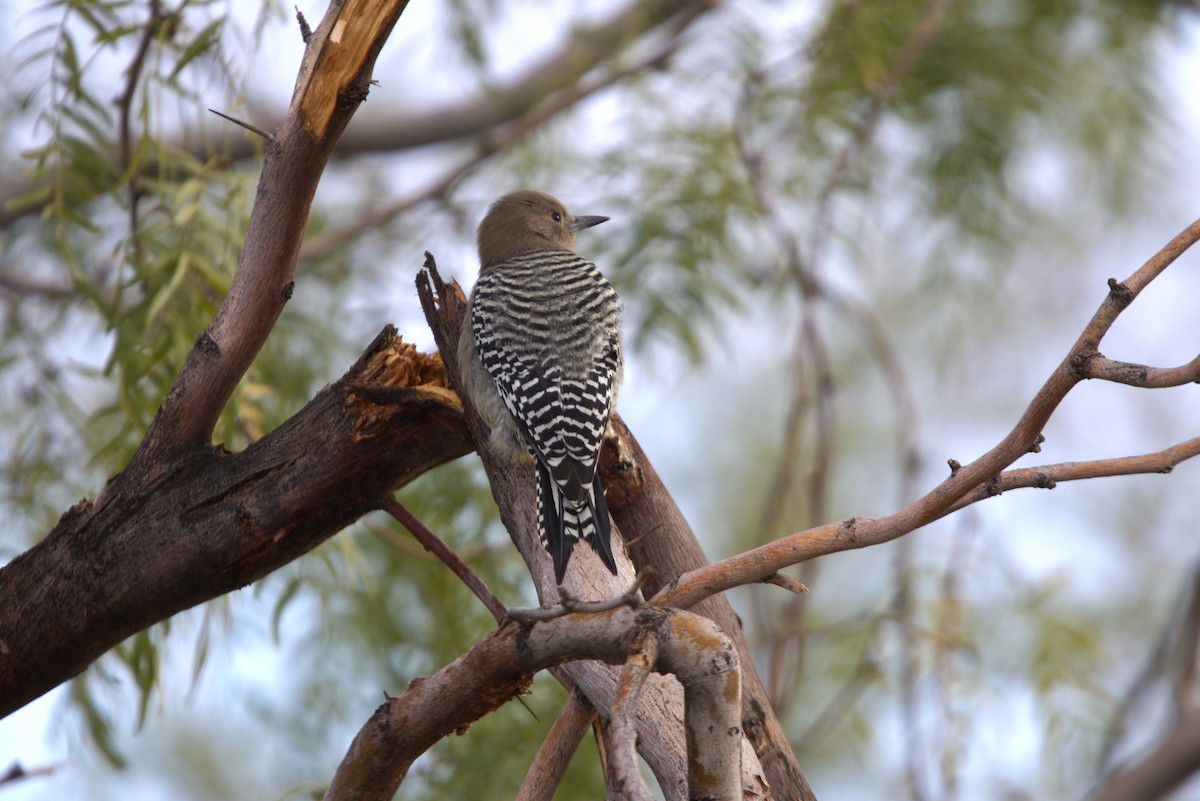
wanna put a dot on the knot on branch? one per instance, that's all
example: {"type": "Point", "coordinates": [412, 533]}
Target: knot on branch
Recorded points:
{"type": "Point", "coordinates": [1042, 480]}
{"type": "Point", "coordinates": [1119, 293]}
{"type": "Point", "coordinates": [206, 345]}
{"type": "Point", "coordinates": [849, 528]}
{"type": "Point", "coordinates": [1081, 359]}
{"type": "Point", "coordinates": [356, 93]}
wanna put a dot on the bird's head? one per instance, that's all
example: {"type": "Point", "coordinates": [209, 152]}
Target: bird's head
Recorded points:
{"type": "Point", "coordinates": [526, 221]}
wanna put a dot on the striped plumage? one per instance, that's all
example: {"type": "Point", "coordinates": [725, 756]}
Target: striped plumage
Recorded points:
{"type": "Point", "coordinates": [545, 328]}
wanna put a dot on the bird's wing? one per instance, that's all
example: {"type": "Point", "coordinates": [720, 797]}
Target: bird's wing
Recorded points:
{"type": "Point", "coordinates": [561, 402]}
{"type": "Point", "coordinates": [562, 417]}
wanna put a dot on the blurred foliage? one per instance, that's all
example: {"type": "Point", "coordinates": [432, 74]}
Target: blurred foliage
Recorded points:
{"type": "Point", "coordinates": [750, 175]}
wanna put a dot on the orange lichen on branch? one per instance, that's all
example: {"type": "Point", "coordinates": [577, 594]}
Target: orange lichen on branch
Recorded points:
{"type": "Point", "coordinates": [689, 628]}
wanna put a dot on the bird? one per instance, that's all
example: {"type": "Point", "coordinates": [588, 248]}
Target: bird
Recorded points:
{"type": "Point", "coordinates": [540, 355]}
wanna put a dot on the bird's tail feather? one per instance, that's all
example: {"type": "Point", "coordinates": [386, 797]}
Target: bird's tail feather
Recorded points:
{"type": "Point", "coordinates": [550, 523]}
{"type": "Point", "coordinates": [600, 535]}
{"type": "Point", "coordinates": [563, 523]}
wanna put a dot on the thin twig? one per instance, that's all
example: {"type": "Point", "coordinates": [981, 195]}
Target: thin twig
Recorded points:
{"type": "Point", "coordinates": [305, 29]}
{"type": "Point", "coordinates": [432, 543]}
{"type": "Point", "coordinates": [787, 582]}
{"type": "Point", "coordinates": [852, 533]}
{"type": "Point", "coordinates": [631, 597]}
{"type": "Point", "coordinates": [17, 772]}
{"type": "Point", "coordinates": [124, 104]}
{"type": "Point", "coordinates": [1048, 476]}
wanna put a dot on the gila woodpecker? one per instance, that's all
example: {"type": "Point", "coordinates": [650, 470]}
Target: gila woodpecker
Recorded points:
{"type": "Point", "coordinates": [540, 353]}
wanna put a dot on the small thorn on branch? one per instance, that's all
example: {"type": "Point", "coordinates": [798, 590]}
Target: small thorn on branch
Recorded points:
{"type": "Point", "coordinates": [1036, 447]}
{"type": "Point", "coordinates": [246, 125]}
{"type": "Point", "coordinates": [955, 466]}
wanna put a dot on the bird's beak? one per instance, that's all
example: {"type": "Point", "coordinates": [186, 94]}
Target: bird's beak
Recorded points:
{"type": "Point", "coordinates": [579, 223]}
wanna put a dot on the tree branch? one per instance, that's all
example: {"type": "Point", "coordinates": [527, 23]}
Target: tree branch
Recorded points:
{"type": "Point", "coordinates": [1048, 476]}
{"type": "Point", "coordinates": [1140, 375]}
{"type": "Point", "coordinates": [502, 666]}
{"type": "Point", "coordinates": [149, 547]}
{"type": "Point", "coordinates": [333, 81]}
{"type": "Point", "coordinates": [446, 555]}
{"type": "Point", "coordinates": [623, 775]}
{"type": "Point", "coordinates": [124, 102]}
{"type": "Point", "coordinates": [855, 533]}
{"type": "Point", "coordinates": [1175, 758]}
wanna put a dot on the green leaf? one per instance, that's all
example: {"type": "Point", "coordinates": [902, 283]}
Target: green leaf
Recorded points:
{"type": "Point", "coordinates": [165, 294]}
{"type": "Point", "coordinates": [203, 42]}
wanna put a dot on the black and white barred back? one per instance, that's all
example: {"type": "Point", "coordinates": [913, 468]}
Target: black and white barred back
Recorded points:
{"type": "Point", "coordinates": [547, 328]}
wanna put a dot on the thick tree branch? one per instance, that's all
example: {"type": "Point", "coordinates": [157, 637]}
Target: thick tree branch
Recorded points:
{"type": "Point", "coordinates": [705, 661]}
{"type": "Point", "coordinates": [186, 521]}
{"type": "Point", "coordinates": [503, 665]}
{"type": "Point", "coordinates": [149, 547]}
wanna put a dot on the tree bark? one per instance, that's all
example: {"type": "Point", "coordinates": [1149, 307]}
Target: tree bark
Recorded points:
{"type": "Point", "coordinates": [660, 538]}
{"type": "Point", "coordinates": [154, 543]}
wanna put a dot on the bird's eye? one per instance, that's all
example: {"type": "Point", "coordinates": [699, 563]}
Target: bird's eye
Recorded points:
{"type": "Point", "coordinates": [557, 217]}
